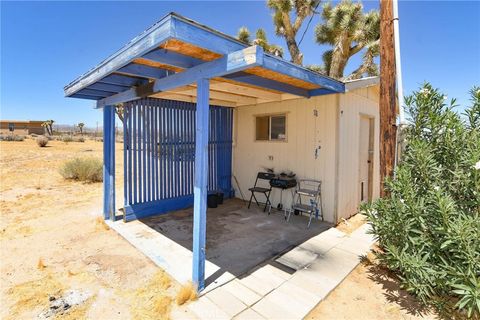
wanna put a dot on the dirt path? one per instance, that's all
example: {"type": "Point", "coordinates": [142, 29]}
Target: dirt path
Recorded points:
{"type": "Point", "coordinates": [52, 241]}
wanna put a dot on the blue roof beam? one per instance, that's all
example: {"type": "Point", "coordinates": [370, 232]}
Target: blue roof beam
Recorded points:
{"type": "Point", "coordinates": [96, 93]}
{"type": "Point", "coordinates": [230, 63]}
{"type": "Point", "coordinates": [84, 96]}
{"type": "Point", "coordinates": [122, 80]}
{"type": "Point", "coordinates": [143, 71]}
{"type": "Point", "coordinates": [295, 71]}
{"type": "Point", "coordinates": [321, 92]}
{"type": "Point", "coordinates": [251, 79]}
{"type": "Point", "coordinates": [172, 58]}
{"type": "Point", "coordinates": [107, 87]}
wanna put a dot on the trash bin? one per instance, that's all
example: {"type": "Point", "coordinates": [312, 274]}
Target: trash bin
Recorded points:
{"type": "Point", "coordinates": [212, 200]}
{"type": "Point", "coordinates": [219, 197]}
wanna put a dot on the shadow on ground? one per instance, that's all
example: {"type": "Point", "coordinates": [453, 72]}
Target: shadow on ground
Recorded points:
{"type": "Point", "coordinates": [238, 238]}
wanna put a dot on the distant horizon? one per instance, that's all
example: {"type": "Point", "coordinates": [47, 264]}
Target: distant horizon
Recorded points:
{"type": "Point", "coordinates": [66, 39]}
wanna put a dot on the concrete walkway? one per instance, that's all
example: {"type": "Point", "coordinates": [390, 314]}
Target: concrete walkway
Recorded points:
{"type": "Point", "coordinates": [321, 263]}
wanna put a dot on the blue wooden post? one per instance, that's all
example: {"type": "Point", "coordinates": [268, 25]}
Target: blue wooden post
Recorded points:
{"type": "Point", "coordinates": [109, 162]}
{"type": "Point", "coordinates": [200, 186]}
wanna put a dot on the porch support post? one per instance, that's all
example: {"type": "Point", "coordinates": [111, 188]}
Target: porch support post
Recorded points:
{"type": "Point", "coordinates": [200, 187]}
{"type": "Point", "coordinates": [109, 162]}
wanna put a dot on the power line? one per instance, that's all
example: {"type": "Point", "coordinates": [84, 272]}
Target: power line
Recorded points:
{"type": "Point", "coordinates": [308, 24]}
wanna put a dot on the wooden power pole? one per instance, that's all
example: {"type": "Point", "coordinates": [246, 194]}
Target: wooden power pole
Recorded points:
{"type": "Point", "coordinates": [388, 128]}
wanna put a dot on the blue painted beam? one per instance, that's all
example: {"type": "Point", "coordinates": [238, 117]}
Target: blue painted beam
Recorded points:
{"type": "Point", "coordinates": [96, 93]}
{"type": "Point", "coordinates": [152, 208]}
{"type": "Point", "coordinates": [321, 92]}
{"type": "Point", "coordinates": [172, 58]}
{"type": "Point", "coordinates": [108, 87]}
{"type": "Point", "coordinates": [204, 37]}
{"type": "Point", "coordinates": [140, 70]}
{"type": "Point", "coordinates": [123, 80]}
{"type": "Point", "coordinates": [230, 63]}
{"type": "Point", "coordinates": [266, 83]}
{"type": "Point", "coordinates": [145, 42]}
{"type": "Point", "coordinates": [279, 65]}
{"type": "Point", "coordinates": [109, 162]}
{"type": "Point", "coordinates": [84, 96]}
{"type": "Point", "coordinates": [200, 184]}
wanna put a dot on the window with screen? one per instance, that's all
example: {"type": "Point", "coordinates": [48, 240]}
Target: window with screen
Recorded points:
{"type": "Point", "coordinates": [271, 128]}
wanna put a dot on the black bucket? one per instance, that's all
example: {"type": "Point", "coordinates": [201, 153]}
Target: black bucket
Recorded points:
{"type": "Point", "coordinates": [220, 197]}
{"type": "Point", "coordinates": [212, 200]}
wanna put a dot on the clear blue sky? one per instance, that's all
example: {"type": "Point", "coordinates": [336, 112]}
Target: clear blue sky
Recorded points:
{"type": "Point", "coordinates": [45, 45]}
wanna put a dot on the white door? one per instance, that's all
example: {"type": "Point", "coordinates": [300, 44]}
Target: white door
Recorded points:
{"type": "Point", "coordinates": [365, 158]}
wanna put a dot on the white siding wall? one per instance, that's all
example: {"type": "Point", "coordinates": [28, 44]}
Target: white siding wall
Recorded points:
{"type": "Point", "coordinates": [339, 144]}
{"type": "Point", "coordinates": [353, 105]}
{"type": "Point", "coordinates": [304, 133]}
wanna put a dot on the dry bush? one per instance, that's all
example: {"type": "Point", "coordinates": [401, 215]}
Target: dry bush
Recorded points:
{"type": "Point", "coordinates": [100, 224]}
{"type": "Point", "coordinates": [79, 139]}
{"type": "Point", "coordinates": [66, 138]}
{"type": "Point", "coordinates": [42, 141]}
{"type": "Point", "coordinates": [187, 292]}
{"type": "Point", "coordinates": [11, 137]}
{"type": "Point", "coordinates": [83, 169]}
{"type": "Point", "coordinates": [153, 301]}
{"type": "Point", "coordinates": [41, 265]}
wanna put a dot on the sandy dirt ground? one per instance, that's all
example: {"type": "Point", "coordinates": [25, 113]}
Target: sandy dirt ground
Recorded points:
{"type": "Point", "coordinates": [53, 241]}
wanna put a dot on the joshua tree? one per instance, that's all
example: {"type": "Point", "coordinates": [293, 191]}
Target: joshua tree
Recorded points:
{"type": "Point", "coordinates": [80, 127]}
{"type": "Point", "coordinates": [48, 125]}
{"type": "Point", "coordinates": [119, 109]}
{"type": "Point", "coordinates": [260, 40]}
{"type": "Point", "coordinates": [45, 127]}
{"type": "Point", "coordinates": [348, 30]}
{"type": "Point", "coordinates": [287, 27]}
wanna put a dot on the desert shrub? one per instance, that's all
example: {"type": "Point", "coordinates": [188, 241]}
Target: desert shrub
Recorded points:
{"type": "Point", "coordinates": [42, 141]}
{"type": "Point", "coordinates": [429, 224]}
{"type": "Point", "coordinates": [79, 139]}
{"type": "Point", "coordinates": [83, 169]}
{"type": "Point", "coordinates": [11, 137]}
{"type": "Point", "coordinates": [66, 138]}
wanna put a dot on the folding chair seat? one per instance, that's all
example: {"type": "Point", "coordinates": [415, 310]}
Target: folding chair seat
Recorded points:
{"type": "Point", "coordinates": [266, 176]}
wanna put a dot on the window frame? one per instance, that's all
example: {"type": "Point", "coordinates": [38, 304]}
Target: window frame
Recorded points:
{"type": "Point", "coordinates": [270, 115]}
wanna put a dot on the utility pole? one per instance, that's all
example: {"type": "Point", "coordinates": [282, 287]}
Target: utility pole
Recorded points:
{"type": "Point", "coordinates": [388, 127]}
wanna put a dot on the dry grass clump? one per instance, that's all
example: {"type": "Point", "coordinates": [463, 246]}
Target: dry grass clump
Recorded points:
{"type": "Point", "coordinates": [66, 138]}
{"type": "Point", "coordinates": [153, 299]}
{"type": "Point", "coordinates": [11, 137]}
{"type": "Point", "coordinates": [42, 141]}
{"type": "Point", "coordinates": [187, 292]}
{"type": "Point", "coordinates": [33, 295]}
{"type": "Point", "coordinates": [100, 224]}
{"type": "Point", "coordinates": [83, 169]}
{"type": "Point", "coordinates": [41, 265]}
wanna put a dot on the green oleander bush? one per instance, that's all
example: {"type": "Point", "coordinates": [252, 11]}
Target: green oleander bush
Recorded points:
{"type": "Point", "coordinates": [428, 226]}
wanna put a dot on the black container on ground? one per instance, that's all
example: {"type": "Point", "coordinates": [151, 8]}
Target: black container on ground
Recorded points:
{"type": "Point", "coordinates": [220, 197]}
{"type": "Point", "coordinates": [212, 200]}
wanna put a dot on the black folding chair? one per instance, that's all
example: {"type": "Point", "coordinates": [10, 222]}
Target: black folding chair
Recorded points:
{"type": "Point", "coordinates": [266, 191]}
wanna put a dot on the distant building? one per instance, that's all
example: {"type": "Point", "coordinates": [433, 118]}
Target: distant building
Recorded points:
{"type": "Point", "coordinates": [21, 127]}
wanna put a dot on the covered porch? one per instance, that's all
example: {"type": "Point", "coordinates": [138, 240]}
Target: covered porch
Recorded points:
{"type": "Point", "coordinates": [177, 84]}
{"type": "Point", "coordinates": [238, 241]}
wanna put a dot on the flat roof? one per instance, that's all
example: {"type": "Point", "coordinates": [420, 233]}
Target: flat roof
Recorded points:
{"type": "Point", "coordinates": [168, 58]}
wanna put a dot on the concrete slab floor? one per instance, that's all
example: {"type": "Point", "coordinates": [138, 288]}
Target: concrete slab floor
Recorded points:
{"type": "Point", "coordinates": [238, 238]}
